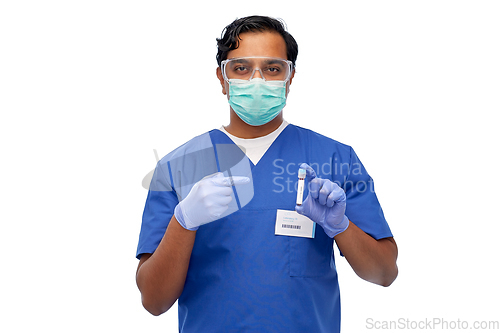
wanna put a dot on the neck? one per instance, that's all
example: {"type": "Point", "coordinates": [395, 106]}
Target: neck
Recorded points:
{"type": "Point", "coordinates": [240, 129]}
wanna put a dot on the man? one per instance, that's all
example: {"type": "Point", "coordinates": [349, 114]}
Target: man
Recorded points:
{"type": "Point", "coordinates": [214, 227]}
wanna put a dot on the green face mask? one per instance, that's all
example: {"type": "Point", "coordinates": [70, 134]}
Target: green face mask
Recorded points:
{"type": "Point", "coordinates": [257, 101]}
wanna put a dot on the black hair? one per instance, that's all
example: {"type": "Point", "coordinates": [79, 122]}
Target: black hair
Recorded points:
{"type": "Point", "coordinates": [231, 35]}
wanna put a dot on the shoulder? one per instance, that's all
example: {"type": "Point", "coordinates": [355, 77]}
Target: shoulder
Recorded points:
{"type": "Point", "coordinates": [319, 139]}
{"type": "Point", "coordinates": [185, 165]}
{"type": "Point", "coordinates": [194, 146]}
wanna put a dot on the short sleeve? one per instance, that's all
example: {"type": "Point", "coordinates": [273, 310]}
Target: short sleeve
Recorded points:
{"type": "Point", "coordinates": [363, 207]}
{"type": "Point", "coordinates": [159, 209]}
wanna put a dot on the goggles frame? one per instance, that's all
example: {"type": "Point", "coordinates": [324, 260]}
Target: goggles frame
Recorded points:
{"type": "Point", "coordinates": [288, 62]}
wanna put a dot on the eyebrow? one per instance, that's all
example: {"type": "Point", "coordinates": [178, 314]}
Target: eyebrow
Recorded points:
{"type": "Point", "coordinates": [273, 61]}
{"type": "Point", "coordinates": [240, 60]}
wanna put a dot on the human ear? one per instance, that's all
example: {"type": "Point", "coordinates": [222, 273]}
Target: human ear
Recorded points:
{"type": "Point", "coordinates": [221, 79]}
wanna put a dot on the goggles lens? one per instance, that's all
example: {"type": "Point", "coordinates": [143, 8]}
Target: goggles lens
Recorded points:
{"type": "Point", "coordinates": [247, 68]}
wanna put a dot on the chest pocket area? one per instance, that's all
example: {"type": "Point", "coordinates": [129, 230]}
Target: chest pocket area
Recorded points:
{"type": "Point", "coordinates": [312, 257]}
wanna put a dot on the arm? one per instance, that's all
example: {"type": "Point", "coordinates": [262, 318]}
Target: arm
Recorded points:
{"type": "Point", "coordinates": [161, 275]}
{"type": "Point", "coordinates": [372, 260]}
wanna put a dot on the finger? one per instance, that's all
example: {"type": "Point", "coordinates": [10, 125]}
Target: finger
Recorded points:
{"type": "Point", "coordinates": [218, 211]}
{"type": "Point", "coordinates": [311, 174]}
{"type": "Point", "coordinates": [223, 191]}
{"type": "Point", "coordinates": [324, 192]}
{"type": "Point", "coordinates": [314, 187]}
{"type": "Point", "coordinates": [336, 195]}
{"type": "Point", "coordinates": [239, 180]}
{"type": "Point", "coordinates": [299, 209]}
{"type": "Point", "coordinates": [230, 181]}
{"type": "Point", "coordinates": [224, 201]}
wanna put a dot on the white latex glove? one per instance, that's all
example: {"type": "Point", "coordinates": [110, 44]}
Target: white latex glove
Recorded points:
{"type": "Point", "coordinates": [207, 201]}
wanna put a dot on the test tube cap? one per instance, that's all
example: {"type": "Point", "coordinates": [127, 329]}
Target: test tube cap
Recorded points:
{"type": "Point", "coordinates": [302, 173]}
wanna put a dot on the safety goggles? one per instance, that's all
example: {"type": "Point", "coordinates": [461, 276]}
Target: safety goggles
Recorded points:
{"type": "Point", "coordinates": [270, 69]}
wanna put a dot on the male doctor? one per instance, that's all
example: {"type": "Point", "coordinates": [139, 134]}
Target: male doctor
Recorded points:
{"type": "Point", "coordinates": [212, 233]}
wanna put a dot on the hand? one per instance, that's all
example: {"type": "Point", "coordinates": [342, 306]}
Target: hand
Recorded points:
{"type": "Point", "coordinates": [207, 201]}
{"type": "Point", "coordinates": [325, 204]}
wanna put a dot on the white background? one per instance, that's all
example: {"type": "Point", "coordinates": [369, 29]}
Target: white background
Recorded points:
{"type": "Point", "coordinates": [89, 88]}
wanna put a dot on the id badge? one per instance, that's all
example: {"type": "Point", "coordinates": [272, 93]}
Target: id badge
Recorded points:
{"type": "Point", "coordinates": [291, 223]}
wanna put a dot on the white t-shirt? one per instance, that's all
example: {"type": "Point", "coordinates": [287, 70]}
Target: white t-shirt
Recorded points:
{"type": "Point", "coordinates": [256, 148]}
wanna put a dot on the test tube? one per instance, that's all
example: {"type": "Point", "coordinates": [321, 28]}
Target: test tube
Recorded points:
{"type": "Point", "coordinates": [300, 188]}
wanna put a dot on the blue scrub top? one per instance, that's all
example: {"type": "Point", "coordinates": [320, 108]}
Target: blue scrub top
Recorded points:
{"type": "Point", "coordinates": [241, 276]}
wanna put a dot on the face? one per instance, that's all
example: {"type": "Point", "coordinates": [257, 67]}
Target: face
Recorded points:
{"type": "Point", "coordinates": [257, 44]}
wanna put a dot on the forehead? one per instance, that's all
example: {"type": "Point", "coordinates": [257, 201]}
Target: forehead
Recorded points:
{"type": "Point", "coordinates": [260, 44]}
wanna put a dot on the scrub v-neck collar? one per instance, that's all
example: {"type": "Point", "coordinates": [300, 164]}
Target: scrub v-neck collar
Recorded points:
{"type": "Point", "coordinates": [257, 142]}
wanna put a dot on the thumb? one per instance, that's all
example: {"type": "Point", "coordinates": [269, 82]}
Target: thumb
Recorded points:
{"type": "Point", "coordinates": [299, 209]}
{"type": "Point", "coordinates": [311, 174]}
